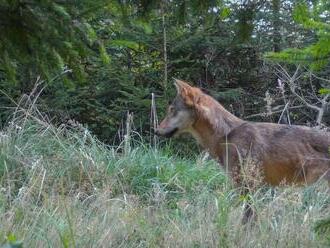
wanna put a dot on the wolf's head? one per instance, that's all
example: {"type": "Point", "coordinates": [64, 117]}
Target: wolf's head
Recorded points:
{"type": "Point", "coordinates": [181, 113]}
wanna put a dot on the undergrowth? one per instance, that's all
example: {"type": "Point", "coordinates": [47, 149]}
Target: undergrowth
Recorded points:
{"type": "Point", "coordinates": [61, 187]}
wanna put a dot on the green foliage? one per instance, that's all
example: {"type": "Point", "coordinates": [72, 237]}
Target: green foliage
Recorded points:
{"type": "Point", "coordinates": [41, 37]}
{"type": "Point", "coordinates": [116, 53]}
{"type": "Point", "coordinates": [12, 242]}
{"type": "Point", "coordinates": [139, 170]}
{"type": "Point", "coordinates": [324, 91]}
{"type": "Point", "coordinates": [126, 44]}
{"type": "Point", "coordinates": [315, 55]}
{"type": "Point", "coordinates": [176, 176]}
{"type": "Point", "coordinates": [322, 228]}
{"type": "Point", "coordinates": [245, 23]}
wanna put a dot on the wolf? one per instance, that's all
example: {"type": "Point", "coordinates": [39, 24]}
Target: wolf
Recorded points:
{"type": "Point", "coordinates": [280, 154]}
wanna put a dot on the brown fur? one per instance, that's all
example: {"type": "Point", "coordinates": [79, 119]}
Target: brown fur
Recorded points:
{"type": "Point", "coordinates": [283, 154]}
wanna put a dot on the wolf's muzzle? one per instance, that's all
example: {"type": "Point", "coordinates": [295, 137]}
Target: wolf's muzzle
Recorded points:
{"type": "Point", "coordinates": [165, 133]}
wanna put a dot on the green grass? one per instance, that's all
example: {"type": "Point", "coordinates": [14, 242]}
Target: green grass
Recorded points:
{"type": "Point", "coordinates": [61, 187]}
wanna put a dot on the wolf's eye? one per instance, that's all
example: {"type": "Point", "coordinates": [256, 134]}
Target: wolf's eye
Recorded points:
{"type": "Point", "coordinates": [172, 110]}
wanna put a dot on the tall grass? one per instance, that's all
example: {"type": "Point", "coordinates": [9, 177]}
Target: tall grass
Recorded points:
{"type": "Point", "coordinates": [61, 187]}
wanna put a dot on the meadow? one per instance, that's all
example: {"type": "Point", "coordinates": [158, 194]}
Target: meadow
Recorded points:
{"type": "Point", "coordinates": [77, 170]}
{"type": "Point", "coordinates": [61, 187]}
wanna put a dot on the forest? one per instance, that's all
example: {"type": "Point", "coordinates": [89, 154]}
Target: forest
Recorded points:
{"type": "Point", "coordinates": [83, 85]}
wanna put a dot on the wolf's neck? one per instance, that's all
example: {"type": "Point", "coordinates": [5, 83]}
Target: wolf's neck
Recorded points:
{"type": "Point", "coordinates": [214, 122]}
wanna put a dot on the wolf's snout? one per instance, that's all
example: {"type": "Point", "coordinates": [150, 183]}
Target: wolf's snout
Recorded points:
{"type": "Point", "coordinates": [160, 131]}
{"type": "Point", "coordinates": [157, 131]}
{"type": "Point", "coordinates": [165, 132]}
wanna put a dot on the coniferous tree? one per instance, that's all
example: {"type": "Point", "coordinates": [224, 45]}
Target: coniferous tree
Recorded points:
{"type": "Point", "coordinates": [314, 17]}
{"type": "Point", "coordinates": [43, 37]}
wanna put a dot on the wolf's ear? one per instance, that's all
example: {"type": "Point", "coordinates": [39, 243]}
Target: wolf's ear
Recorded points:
{"type": "Point", "coordinates": [181, 86]}
{"type": "Point", "coordinates": [188, 93]}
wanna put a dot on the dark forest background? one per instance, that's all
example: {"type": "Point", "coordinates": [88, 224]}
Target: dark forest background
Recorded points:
{"type": "Point", "coordinates": [93, 61]}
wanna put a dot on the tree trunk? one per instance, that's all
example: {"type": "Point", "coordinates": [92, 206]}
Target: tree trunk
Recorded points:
{"type": "Point", "coordinates": [163, 8]}
{"type": "Point", "coordinates": [276, 5]}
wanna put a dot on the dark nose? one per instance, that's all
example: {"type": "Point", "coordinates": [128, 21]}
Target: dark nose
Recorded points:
{"type": "Point", "coordinates": [156, 131]}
